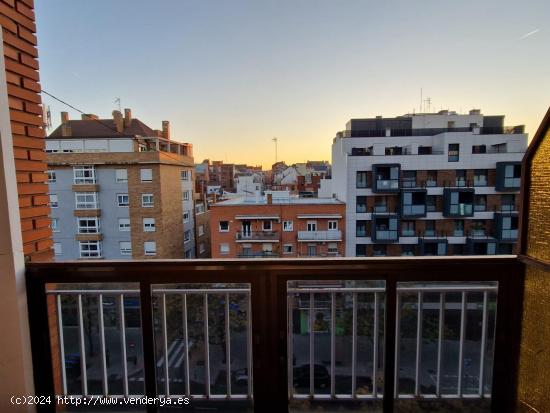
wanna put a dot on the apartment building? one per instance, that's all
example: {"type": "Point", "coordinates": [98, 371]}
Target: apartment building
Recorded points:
{"type": "Point", "coordinates": [278, 225]}
{"type": "Point", "coordinates": [429, 184]}
{"type": "Point", "coordinates": [202, 229]}
{"type": "Point", "coordinates": [119, 190]}
{"type": "Point", "coordinates": [222, 174]}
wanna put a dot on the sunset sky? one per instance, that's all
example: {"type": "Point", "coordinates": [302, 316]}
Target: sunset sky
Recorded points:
{"type": "Point", "coordinates": [231, 75]}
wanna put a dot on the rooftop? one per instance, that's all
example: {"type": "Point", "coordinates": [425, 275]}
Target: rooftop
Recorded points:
{"type": "Point", "coordinates": [290, 200]}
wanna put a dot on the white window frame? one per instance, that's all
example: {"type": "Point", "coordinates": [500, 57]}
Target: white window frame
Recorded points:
{"type": "Point", "coordinates": [147, 204]}
{"type": "Point", "coordinates": [224, 249]}
{"type": "Point", "coordinates": [57, 249]}
{"type": "Point", "coordinates": [85, 253]}
{"type": "Point", "coordinates": [123, 227]}
{"type": "Point", "coordinates": [149, 225]}
{"type": "Point", "coordinates": [186, 216]}
{"type": "Point", "coordinates": [311, 226]}
{"type": "Point", "coordinates": [53, 200]}
{"type": "Point", "coordinates": [123, 247]}
{"type": "Point", "coordinates": [187, 236]}
{"type": "Point", "coordinates": [220, 226]}
{"type": "Point", "coordinates": [332, 248]}
{"type": "Point", "coordinates": [150, 248]}
{"type": "Point", "coordinates": [288, 226]}
{"type": "Point", "coordinates": [202, 247]}
{"type": "Point", "coordinates": [201, 230]}
{"type": "Point", "coordinates": [120, 197]}
{"type": "Point", "coordinates": [334, 224]}
{"type": "Point", "coordinates": [93, 204]}
{"type": "Point", "coordinates": [199, 209]}
{"type": "Point", "coordinates": [85, 229]}
{"type": "Point", "coordinates": [185, 175]}
{"type": "Point", "coordinates": [186, 195]}
{"type": "Point", "coordinates": [55, 227]}
{"type": "Point", "coordinates": [146, 175]}
{"type": "Point", "coordinates": [84, 175]}
{"type": "Point", "coordinates": [291, 249]}
{"type": "Point", "coordinates": [52, 177]}
{"type": "Point", "coordinates": [121, 176]}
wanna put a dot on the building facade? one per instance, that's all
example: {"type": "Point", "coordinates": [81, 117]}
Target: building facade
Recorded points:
{"type": "Point", "coordinates": [202, 229]}
{"type": "Point", "coordinates": [119, 190]}
{"type": "Point", "coordinates": [429, 184]}
{"type": "Point", "coordinates": [278, 226]}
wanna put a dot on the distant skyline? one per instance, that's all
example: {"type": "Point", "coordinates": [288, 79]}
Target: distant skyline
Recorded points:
{"type": "Point", "coordinates": [231, 75]}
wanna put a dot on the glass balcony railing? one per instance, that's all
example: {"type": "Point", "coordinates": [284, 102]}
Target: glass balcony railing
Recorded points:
{"type": "Point", "coordinates": [387, 184]}
{"type": "Point", "coordinates": [257, 235]}
{"type": "Point", "coordinates": [414, 209]}
{"type": "Point", "coordinates": [333, 235]}
{"type": "Point", "coordinates": [387, 235]}
{"type": "Point", "coordinates": [461, 209]}
{"type": "Point", "coordinates": [509, 234]}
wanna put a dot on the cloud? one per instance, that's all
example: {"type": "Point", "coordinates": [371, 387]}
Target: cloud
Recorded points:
{"type": "Point", "coordinates": [526, 35]}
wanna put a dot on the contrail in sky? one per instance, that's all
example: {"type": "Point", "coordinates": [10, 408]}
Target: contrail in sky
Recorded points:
{"type": "Point", "coordinates": [526, 35]}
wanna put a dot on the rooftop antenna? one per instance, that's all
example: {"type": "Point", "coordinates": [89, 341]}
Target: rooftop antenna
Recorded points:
{"type": "Point", "coordinates": [420, 100]}
{"type": "Point", "coordinates": [117, 102]}
{"type": "Point", "coordinates": [275, 140]}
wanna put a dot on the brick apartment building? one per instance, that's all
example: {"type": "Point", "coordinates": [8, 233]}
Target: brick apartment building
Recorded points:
{"type": "Point", "coordinates": [278, 225]}
{"type": "Point", "coordinates": [119, 190]}
{"type": "Point", "coordinates": [429, 184]}
{"type": "Point", "coordinates": [222, 174]}
{"type": "Point", "coordinates": [202, 229]}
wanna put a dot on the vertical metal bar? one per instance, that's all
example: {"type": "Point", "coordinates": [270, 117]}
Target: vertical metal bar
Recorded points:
{"type": "Point", "coordinates": [311, 345]}
{"type": "Point", "coordinates": [440, 343]}
{"type": "Point", "coordinates": [290, 354]}
{"type": "Point", "coordinates": [123, 345]}
{"type": "Point", "coordinates": [483, 344]}
{"type": "Point", "coordinates": [148, 337]}
{"type": "Point", "coordinates": [104, 380]}
{"type": "Point", "coordinates": [227, 346]}
{"type": "Point", "coordinates": [332, 344]}
{"type": "Point", "coordinates": [165, 348]}
{"type": "Point", "coordinates": [206, 347]}
{"type": "Point", "coordinates": [249, 350]}
{"type": "Point", "coordinates": [376, 329]}
{"type": "Point", "coordinates": [354, 347]}
{"type": "Point", "coordinates": [418, 344]}
{"type": "Point", "coordinates": [397, 343]}
{"type": "Point", "coordinates": [82, 347]}
{"type": "Point", "coordinates": [185, 346]}
{"type": "Point", "coordinates": [390, 345]}
{"type": "Point", "coordinates": [61, 343]}
{"type": "Point", "coordinates": [461, 345]}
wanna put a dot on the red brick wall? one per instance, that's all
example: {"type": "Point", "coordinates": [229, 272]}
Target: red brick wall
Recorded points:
{"type": "Point", "coordinates": [20, 56]}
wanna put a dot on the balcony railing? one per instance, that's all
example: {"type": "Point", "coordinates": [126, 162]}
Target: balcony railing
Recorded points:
{"type": "Point", "coordinates": [257, 236]}
{"type": "Point", "coordinates": [387, 184]}
{"type": "Point", "coordinates": [392, 333]}
{"type": "Point", "coordinates": [257, 254]}
{"type": "Point", "coordinates": [333, 235]}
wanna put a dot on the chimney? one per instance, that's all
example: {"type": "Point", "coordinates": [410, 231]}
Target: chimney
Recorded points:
{"type": "Point", "coordinates": [166, 129]}
{"type": "Point", "coordinates": [119, 123]}
{"type": "Point", "coordinates": [269, 199]}
{"type": "Point", "coordinates": [127, 117]}
{"type": "Point", "coordinates": [65, 125]}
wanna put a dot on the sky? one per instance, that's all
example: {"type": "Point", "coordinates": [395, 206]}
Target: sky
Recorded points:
{"type": "Point", "coordinates": [230, 75]}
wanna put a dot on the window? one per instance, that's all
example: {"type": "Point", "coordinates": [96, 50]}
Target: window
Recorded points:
{"type": "Point", "coordinates": [125, 247]}
{"type": "Point", "coordinates": [512, 176]}
{"type": "Point", "coordinates": [54, 225]}
{"type": "Point", "coordinates": [479, 149]}
{"type": "Point", "coordinates": [386, 228]}
{"type": "Point", "coordinates": [431, 203]}
{"type": "Point", "coordinates": [288, 225]}
{"type": "Point", "coordinates": [458, 228]}
{"type": "Point", "coordinates": [89, 249]}
{"type": "Point", "coordinates": [429, 230]}
{"type": "Point", "coordinates": [54, 201]}
{"type": "Point", "coordinates": [201, 230]}
{"type": "Point", "coordinates": [379, 250]}
{"type": "Point", "coordinates": [86, 200]}
{"type": "Point", "coordinates": [187, 236]}
{"type": "Point", "coordinates": [361, 179]}
{"type": "Point", "coordinates": [386, 178]}
{"type": "Point", "coordinates": [312, 225]}
{"type": "Point", "coordinates": [188, 254]}
{"type": "Point", "coordinates": [508, 202]}
{"type": "Point", "coordinates": [288, 249]}
{"type": "Point", "coordinates": [57, 250]}
{"type": "Point", "coordinates": [311, 250]}
{"type": "Point", "coordinates": [480, 203]}
{"type": "Point", "coordinates": [146, 175]}
{"type": "Point", "coordinates": [199, 209]}
{"type": "Point", "coordinates": [266, 225]}
{"type": "Point", "coordinates": [52, 177]}
{"type": "Point", "coordinates": [123, 200]}
{"type": "Point", "coordinates": [408, 229]}
{"type": "Point", "coordinates": [88, 225]}
{"type": "Point", "coordinates": [509, 227]}
{"type": "Point", "coordinates": [124, 224]}
{"type": "Point", "coordinates": [460, 177]}
{"type": "Point", "coordinates": [202, 248]}
{"type": "Point", "coordinates": [147, 200]}
{"type": "Point", "coordinates": [431, 179]}
{"type": "Point", "coordinates": [458, 202]}
{"type": "Point", "coordinates": [360, 250]}
{"type": "Point", "coordinates": [393, 150]}
{"type": "Point", "coordinates": [150, 248]}
{"type": "Point", "coordinates": [224, 248]}
{"type": "Point", "coordinates": [407, 250]}
{"type": "Point", "coordinates": [185, 175]}
{"type": "Point", "coordinates": [332, 248]}
{"type": "Point", "coordinates": [454, 150]}
{"type": "Point", "coordinates": [84, 175]}
{"type": "Point", "coordinates": [424, 150]}
{"type": "Point", "coordinates": [361, 228]}
{"type": "Point", "coordinates": [478, 228]}
{"type": "Point", "coordinates": [480, 177]}
{"type": "Point", "coordinates": [148, 224]}
{"type": "Point", "coordinates": [186, 195]}
{"type": "Point", "coordinates": [413, 203]}
{"type": "Point", "coordinates": [224, 226]}
{"type": "Point", "coordinates": [361, 204]}
{"type": "Point", "coordinates": [409, 179]}
{"type": "Point", "coordinates": [380, 204]}
{"type": "Point", "coordinates": [186, 215]}
{"type": "Point", "coordinates": [332, 225]}
{"type": "Point", "coordinates": [121, 175]}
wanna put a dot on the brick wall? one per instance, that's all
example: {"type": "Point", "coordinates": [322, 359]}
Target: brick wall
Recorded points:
{"type": "Point", "coordinates": [20, 57]}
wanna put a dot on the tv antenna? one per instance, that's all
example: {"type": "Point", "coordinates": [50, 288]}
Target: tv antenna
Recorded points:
{"type": "Point", "coordinates": [275, 140]}
{"type": "Point", "coordinates": [117, 102]}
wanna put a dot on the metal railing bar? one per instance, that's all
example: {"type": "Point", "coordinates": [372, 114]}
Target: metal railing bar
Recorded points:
{"type": "Point", "coordinates": [375, 345]}
{"type": "Point", "coordinates": [83, 377]}
{"type": "Point", "coordinates": [332, 344]}
{"type": "Point", "coordinates": [483, 344]}
{"type": "Point", "coordinates": [397, 342]}
{"type": "Point", "coordinates": [290, 336]}
{"type": "Point", "coordinates": [354, 346]}
{"type": "Point", "coordinates": [123, 345]}
{"type": "Point", "coordinates": [311, 345]}
{"type": "Point", "coordinates": [61, 343]}
{"type": "Point", "coordinates": [249, 349]}
{"type": "Point", "coordinates": [186, 345]}
{"type": "Point", "coordinates": [227, 346]}
{"type": "Point", "coordinates": [104, 379]}
{"type": "Point", "coordinates": [201, 291]}
{"type": "Point", "coordinates": [418, 344]}
{"type": "Point", "coordinates": [92, 292]}
{"type": "Point", "coordinates": [165, 347]}
{"type": "Point", "coordinates": [206, 347]}
{"type": "Point", "coordinates": [440, 342]}
{"type": "Point", "coordinates": [461, 344]}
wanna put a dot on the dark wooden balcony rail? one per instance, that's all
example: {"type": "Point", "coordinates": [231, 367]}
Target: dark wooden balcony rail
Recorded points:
{"type": "Point", "coordinates": [268, 291]}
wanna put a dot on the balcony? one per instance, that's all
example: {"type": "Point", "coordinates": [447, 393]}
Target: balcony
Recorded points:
{"type": "Point", "coordinates": [257, 254]}
{"type": "Point", "coordinates": [387, 333]}
{"type": "Point", "coordinates": [386, 178]}
{"type": "Point", "coordinates": [458, 202]}
{"type": "Point", "coordinates": [333, 235]}
{"type": "Point", "coordinates": [258, 236]}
